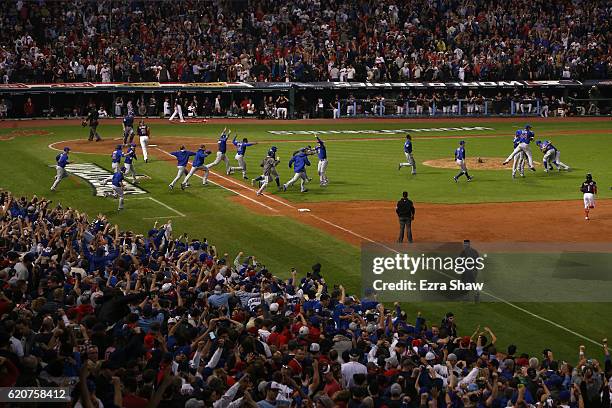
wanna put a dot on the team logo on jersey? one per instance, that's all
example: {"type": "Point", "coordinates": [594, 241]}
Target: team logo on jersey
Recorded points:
{"type": "Point", "coordinates": [95, 176]}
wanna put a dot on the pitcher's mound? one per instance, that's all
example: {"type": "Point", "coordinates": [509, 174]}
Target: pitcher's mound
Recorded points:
{"type": "Point", "coordinates": [473, 163]}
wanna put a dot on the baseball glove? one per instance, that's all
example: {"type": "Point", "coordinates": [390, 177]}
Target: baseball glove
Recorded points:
{"type": "Point", "coordinates": [84, 123]}
{"type": "Point", "coordinates": [480, 160]}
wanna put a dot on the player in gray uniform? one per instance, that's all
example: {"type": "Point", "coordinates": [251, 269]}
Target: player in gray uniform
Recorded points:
{"type": "Point", "coordinates": [269, 169]}
{"type": "Point", "coordinates": [273, 173]}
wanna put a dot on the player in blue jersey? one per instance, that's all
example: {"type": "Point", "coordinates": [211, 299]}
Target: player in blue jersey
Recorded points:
{"type": "Point", "coordinates": [128, 160]}
{"type": "Point", "coordinates": [117, 181]}
{"type": "Point", "coordinates": [460, 158]}
{"type": "Point", "coordinates": [197, 163]}
{"type": "Point", "coordinates": [182, 159]}
{"type": "Point", "coordinates": [221, 154]}
{"type": "Point", "coordinates": [526, 137]}
{"type": "Point", "coordinates": [241, 147]}
{"type": "Point", "coordinates": [299, 162]}
{"type": "Point", "coordinates": [551, 157]}
{"type": "Point", "coordinates": [321, 150]}
{"type": "Point", "coordinates": [518, 161]}
{"type": "Point", "coordinates": [409, 157]}
{"type": "Point", "coordinates": [60, 167]}
{"type": "Point", "coordinates": [116, 156]}
{"type": "Point", "coordinates": [128, 128]}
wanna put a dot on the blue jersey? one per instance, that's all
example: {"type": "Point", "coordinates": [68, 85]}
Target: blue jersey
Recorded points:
{"type": "Point", "coordinates": [321, 150]}
{"type": "Point", "coordinates": [116, 156]}
{"type": "Point", "coordinates": [460, 153]}
{"type": "Point", "coordinates": [128, 120]}
{"type": "Point", "coordinates": [546, 146]}
{"type": "Point", "coordinates": [130, 155]}
{"type": "Point", "coordinates": [299, 162]}
{"type": "Point", "coordinates": [527, 136]}
{"type": "Point", "coordinates": [182, 157]}
{"type": "Point", "coordinates": [199, 158]}
{"type": "Point", "coordinates": [222, 143]}
{"type": "Point", "coordinates": [408, 146]}
{"type": "Point", "coordinates": [517, 138]}
{"type": "Point", "coordinates": [62, 160]}
{"type": "Point", "coordinates": [117, 179]}
{"type": "Point", "coordinates": [241, 146]}
{"type": "Point", "coordinates": [143, 130]}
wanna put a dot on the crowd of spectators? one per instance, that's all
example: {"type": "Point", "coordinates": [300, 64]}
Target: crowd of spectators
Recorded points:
{"type": "Point", "coordinates": [128, 320]}
{"type": "Point", "coordinates": [265, 40]}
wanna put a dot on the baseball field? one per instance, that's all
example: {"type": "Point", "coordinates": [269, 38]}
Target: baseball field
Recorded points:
{"type": "Point", "coordinates": [328, 224]}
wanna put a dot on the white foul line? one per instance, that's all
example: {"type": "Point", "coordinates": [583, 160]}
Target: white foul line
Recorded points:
{"type": "Point", "coordinates": [227, 188]}
{"type": "Point", "coordinates": [178, 213]}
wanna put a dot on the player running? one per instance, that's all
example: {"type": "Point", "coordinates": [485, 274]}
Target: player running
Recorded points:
{"type": "Point", "coordinates": [221, 155]}
{"type": "Point", "coordinates": [116, 156]}
{"type": "Point", "coordinates": [128, 128]}
{"type": "Point", "coordinates": [299, 162]}
{"type": "Point", "coordinates": [60, 167]}
{"type": "Point", "coordinates": [589, 189]}
{"type": "Point", "coordinates": [551, 156]}
{"type": "Point", "coordinates": [518, 161]}
{"type": "Point", "coordinates": [409, 157]}
{"type": "Point", "coordinates": [322, 165]}
{"type": "Point", "coordinates": [117, 182]}
{"type": "Point", "coordinates": [128, 160]}
{"type": "Point", "coordinates": [182, 159]}
{"type": "Point", "coordinates": [526, 137]}
{"type": "Point", "coordinates": [198, 163]}
{"type": "Point", "coordinates": [460, 160]}
{"type": "Point", "coordinates": [269, 168]}
{"type": "Point", "coordinates": [273, 172]}
{"type": "Point", "coordinates": [144, 133]}
{"type": "Point", "coordinates": [241, 151]}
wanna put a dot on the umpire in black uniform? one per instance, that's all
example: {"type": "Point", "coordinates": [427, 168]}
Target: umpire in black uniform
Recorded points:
{"type": "Point", "coordinates": [405, 212]}
{"type": "Point", "coordinates": [92, 121]}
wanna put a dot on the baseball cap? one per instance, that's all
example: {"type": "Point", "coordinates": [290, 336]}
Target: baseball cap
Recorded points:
{"type": "Point", "coordinates": [274, 307]}
{"type": "Point", "coordinates": [172, 320]}
{"type": "Point", "coordinates": [430, 356]}
{"type": "Point", "coordinates": [452, 357]}
{"type": "Point", "coordinates": [354, 353]}
{"type": "Point", "coordinates": [66, 149]}
{"type": "Point", "coordinates": [194, 403]}
{"type": "Point", "coordinates": [166, 287]}
{"type": "Point", "coordinates": [395, 389]}
{"type": "Point", "coordinates": [304, 331]}
{"type": "Point", "coordinates": [315, 348]}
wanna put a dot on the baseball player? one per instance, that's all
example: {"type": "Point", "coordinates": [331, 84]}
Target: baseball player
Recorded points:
{"type": "Point", "coordinates": [269, 168]}
{"type": "Point", "coordinates": [198, 163]}
{"type": "Point", "coordinates": [273, 171]}
{"type": "Point", "coordinates": [299, 162]}
{"type": "Point", "coordinates": [409, 157]}
{"type": "Point", "coordinates": [221, 155]}
{"type": "Point", "coordinates": [182, 159]}
{"type": "Point", "coordinates": [322, 165]}
{"type": "Point", "coordinates": [128, 128]}
{"type": "Point", "coordinates": [551, 156]}
{"type": "Point", "coordinates": [128, 160]}
{"type": "Point", "coordinates": [178, 109]}
{"type": "Point", "coordinates": [460, 160]}
{"type": "Point", "coordinates": [589, 189]}
{"type": "Point", "coordinates": [116, 156]}
{"type": "Point", "coordinates": [526, 137]}
{"type": "Point", "coordinates": [60, 167]}
{"type": "Point", "coordinates": [241, 151]}
{"type": "Point", "coordinates": [144, 133]}
{"type": "Point", "coordinates": [117, 181]}
{"type": "Point", "coordinates": [518, 161]}
{"type": "Point", "coordinates": [92, 121]}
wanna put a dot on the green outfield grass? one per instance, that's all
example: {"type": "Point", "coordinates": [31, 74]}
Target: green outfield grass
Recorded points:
{"type": "Point", "coordinates": [358, 170]}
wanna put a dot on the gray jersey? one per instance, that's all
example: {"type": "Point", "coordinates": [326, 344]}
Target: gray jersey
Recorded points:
{"type": "Point", "coordinates": [268, 165]}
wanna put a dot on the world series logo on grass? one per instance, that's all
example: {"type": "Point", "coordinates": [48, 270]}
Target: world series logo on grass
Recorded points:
{"type": "Point", "coordinates": [95, 176]}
